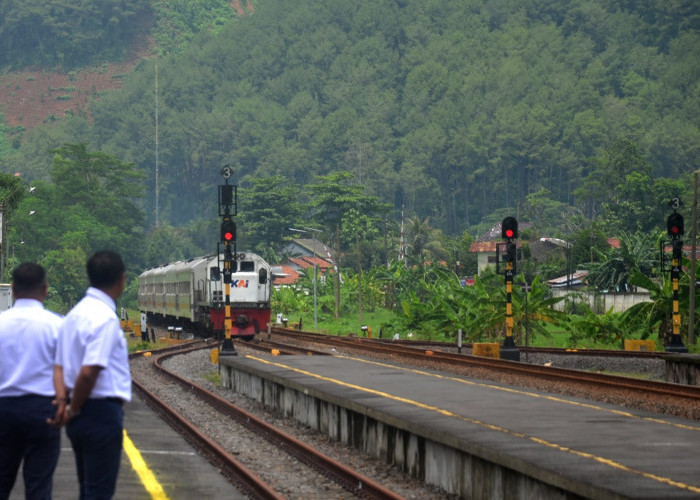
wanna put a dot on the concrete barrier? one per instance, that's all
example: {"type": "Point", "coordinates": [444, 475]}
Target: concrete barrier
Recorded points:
{"type": "Point", "coordinates": [683, 369]}
{"type": "Point", "coordinates": [640, 345]}
{"type": "Point", "coordinates": [487, 349]}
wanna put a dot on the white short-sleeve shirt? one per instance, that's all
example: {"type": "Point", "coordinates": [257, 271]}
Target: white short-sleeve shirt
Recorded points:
{"type": "Point", "coordinates": [28, 334]}
{"type": "Point", "coordinates": [91, 335]}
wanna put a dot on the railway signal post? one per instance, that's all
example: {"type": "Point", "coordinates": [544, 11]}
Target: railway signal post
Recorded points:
{"type": "Point", "coordinates": [228, 207]}
{"type": "Point", "coordinates": [675, 230]}
{"type": "Point", "coordinates": [509, 232]}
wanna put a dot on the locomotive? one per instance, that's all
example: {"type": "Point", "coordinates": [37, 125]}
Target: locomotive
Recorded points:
{"type": "Point", "coordinates": [191, 294]}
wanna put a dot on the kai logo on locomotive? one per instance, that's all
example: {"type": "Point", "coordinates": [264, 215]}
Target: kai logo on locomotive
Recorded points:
{"type": "Point", "coordinates": [239, 283]}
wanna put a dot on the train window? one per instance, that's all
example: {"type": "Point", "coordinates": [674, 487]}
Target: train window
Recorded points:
{"type": "Point", "coordinates": [247, 266]}
{"type": "Point", "coordinates": [262, 276]}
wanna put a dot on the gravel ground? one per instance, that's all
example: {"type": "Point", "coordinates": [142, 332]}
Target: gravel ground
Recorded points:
{"type": "Point", "coordinates": [651, 368]}
{"type": "Point", "coordinates": [286, 475]}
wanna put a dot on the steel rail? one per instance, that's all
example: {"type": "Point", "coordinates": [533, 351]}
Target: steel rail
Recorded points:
{"type": "Point", "coordinates": [639, 386]}
{"type": "Point", "coordinates": [268, 345]}
{"type": "Point", "coordinates": [353, 481]}
{"type": "Point", "coordinates": [536, 350]}
{"type": "Point", "coordinates": [237, 473]}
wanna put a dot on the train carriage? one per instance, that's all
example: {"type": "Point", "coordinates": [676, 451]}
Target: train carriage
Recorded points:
{"type": "Point", "coordinates": [191, 294]}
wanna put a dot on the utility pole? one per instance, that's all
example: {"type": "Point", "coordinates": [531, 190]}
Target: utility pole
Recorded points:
{"type": "Point", "coordinates": [157, 190]}
{"type": "Point", "coordinates": [313, 232]}
{"type": "Point", "coordinates": [693, 238]}
{"type": "Point", "coordinates": [359, 278]}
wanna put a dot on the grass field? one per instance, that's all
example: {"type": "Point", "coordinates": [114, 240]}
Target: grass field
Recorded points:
{"type": "Point", "coordinates": [351, 325]}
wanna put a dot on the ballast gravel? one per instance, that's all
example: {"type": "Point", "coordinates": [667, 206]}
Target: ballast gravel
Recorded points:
{"type": "Point", "coordinates": [285, 474]}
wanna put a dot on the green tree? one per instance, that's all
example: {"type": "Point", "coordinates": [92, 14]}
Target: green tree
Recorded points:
{"type": "Point", "coordinates": [455, 110]}
{"type": "Point", "coordinates": [331, 196]}
{"type": "Point", "coordinates": [166, 244]}
{"type": "Point", "coordinates": [92, 204]}
{"type": "Point", "coordinates": [269, 206]}
{"type": "Point", "coordinates": [65, 270]}
{"type": "Point", "coordinates": [423, 241]}
{"type": "Point", "coordinates": [99, 187]}
{"type": "Point", "coordinates": [37, 31]}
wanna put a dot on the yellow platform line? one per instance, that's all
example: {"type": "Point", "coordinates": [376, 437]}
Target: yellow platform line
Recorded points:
{"type": "Point", "coordinates": [548, 397]}
{"type": "Point", "coordinates": [153, 487]}
{"type": "Point", "coordinates": [448, 413]}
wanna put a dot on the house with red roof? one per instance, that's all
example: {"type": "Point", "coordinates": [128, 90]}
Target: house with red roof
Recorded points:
{"type": "Point", "coordinates": [305, 253]}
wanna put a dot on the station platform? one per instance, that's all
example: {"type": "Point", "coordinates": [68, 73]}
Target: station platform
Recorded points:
{"type": "Point", "coordinates": [170, 468]}
{"type": "Point", "coordinates": [475, 438]}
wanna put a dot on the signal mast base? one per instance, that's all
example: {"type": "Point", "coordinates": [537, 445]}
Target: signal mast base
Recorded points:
{"type": "Point", "coordinates": [227, 348]}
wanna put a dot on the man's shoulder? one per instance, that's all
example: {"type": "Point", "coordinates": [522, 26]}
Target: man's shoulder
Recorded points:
{"type": "Point", "coordinates": [48, 316]}
{"type": "Point", "coordinates": [39, 320]}
{"type": "Point", "coordinates": [91, 312]}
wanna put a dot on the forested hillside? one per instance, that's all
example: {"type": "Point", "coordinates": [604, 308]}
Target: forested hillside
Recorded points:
{"type": "Point", "coordinates": [71, 34]}
{"type": "Point", "coordinates": [462, 111]}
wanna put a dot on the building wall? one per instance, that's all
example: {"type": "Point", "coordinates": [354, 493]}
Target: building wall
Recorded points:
{"type": "Point", "coordinates": [602, 302]}
{"type": "Point", "coordinates": [482, 261]}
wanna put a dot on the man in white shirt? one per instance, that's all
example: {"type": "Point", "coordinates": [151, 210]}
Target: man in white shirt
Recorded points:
{"type": "Point", "coordinates": [92, 371]}
{"type": "Point", "coordinates": [28, 334]}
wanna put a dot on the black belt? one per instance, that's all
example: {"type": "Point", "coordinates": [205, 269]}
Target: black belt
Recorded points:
{"type": "Point", "coordinates": [119, 401]}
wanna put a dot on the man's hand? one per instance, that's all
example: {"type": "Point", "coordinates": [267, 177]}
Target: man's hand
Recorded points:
{"type": "Point", "coordinates": [61, 418]}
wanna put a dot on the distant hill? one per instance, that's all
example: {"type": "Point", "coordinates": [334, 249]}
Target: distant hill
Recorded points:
{"type": "Point", "coordinates": [463, 111]}
{"type": "Point", "coordinates": [41, 93]}
{"type": "Point", "coordinates": [30, 97]}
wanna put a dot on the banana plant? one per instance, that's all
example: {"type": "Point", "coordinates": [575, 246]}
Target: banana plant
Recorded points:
{"type": "Point", "coordinates": [657, 315]}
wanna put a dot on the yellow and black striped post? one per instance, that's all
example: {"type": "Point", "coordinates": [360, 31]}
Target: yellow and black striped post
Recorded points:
{"type": "Point", "coordinates": [509, 231]}
{"type": "Point", "coordinates": [676, 344]}
{"type": "Point", "coordinates": [509, 302]}
{"type": "Point", "coordinates": [227, 300]}
{"type": "Point", "coordinates": [228, 207]}
{"type": "Point", "coordinates": [675, 229]}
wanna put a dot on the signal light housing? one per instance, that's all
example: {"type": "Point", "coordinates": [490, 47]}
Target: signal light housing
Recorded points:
{"type": "Point", "coordinates": [674, 224]}
{"type": "Point", "coordinates": [511, 252]}
{"type": "Point", "coordinates": [509, 228]}
{"type": "Point", "coordinates": [228, 231]}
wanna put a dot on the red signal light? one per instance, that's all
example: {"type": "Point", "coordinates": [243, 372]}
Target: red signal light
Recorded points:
{"type": "Point", "coordinates": [509, 228]}
{"type": "Point", "coordinates": [228, 231]}
{"type": "Point", "coordinates": [674, 225]}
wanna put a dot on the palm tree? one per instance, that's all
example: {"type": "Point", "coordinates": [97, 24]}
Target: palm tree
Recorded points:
{"type": "Point", "coordinates": [424, 241]}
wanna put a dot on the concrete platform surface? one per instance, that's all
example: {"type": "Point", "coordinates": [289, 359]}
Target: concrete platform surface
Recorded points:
{"type": "Point", "coordinates": [589, 447]}
{"type": "Point", "coordinates": [178, 472]}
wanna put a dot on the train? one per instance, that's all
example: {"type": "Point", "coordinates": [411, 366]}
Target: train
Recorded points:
{"type": "Point", "coordinates": [191, 294]}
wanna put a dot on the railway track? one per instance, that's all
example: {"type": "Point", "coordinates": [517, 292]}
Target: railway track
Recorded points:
{"type": "Point", "coordinates": [674, 394]}
{"type": "Point", "coordinates": [533, 350]}
{"type": "Point", "coordinates": [240, 474]}
{"type": "Point", "coordinates": [280, 348]}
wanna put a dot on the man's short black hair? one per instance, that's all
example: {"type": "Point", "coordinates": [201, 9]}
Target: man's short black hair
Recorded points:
{"type": "Point", "coordinates": [105, 268]}
{"type": "Point", "coordinates": [28, 278]}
